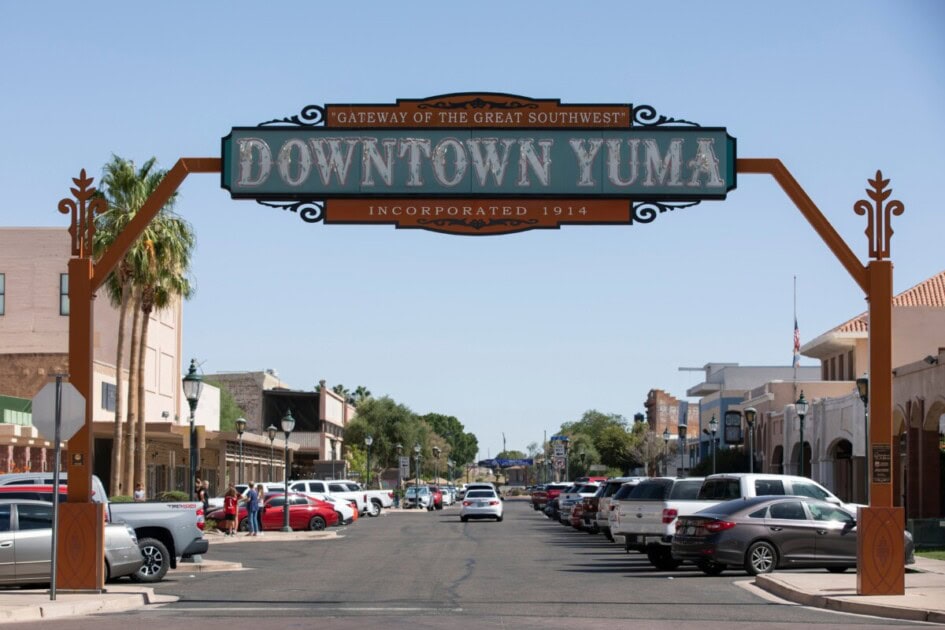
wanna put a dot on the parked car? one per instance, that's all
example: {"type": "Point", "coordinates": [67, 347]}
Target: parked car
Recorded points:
{"type": "Point", "coordinates": [165, 531]}
{"type": "Point", "coordinates": [241, 488]}
{"type": "Point", "coordinates": [646, 518]}
{"type": "Point", "coordinates": [26, 544]}
{"type": "Point", "coordinates": [481, 503]}
{"type": "Point", "coordinates": [725, 486]}
{"type": "Point", "coordinates": [375, 500]}
{"type": "Point", "coordinates": [762, 534]}
{"type": "Point", "coordinates": [418, 497]}
{"type": "Point", "coordinates": [347, 510]}
{"type": "Point", "coordinates": [604, 504]}
{"type": "Point", "coordinates": [622, 493]}
{"type": "Point", "coordinates": [568, 498]}
{"type": "Point", "coordinates": [338, 488]}
{"type": "Point", "coordinates": [304, 513]}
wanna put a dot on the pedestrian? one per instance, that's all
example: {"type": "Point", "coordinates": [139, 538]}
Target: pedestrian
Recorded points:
{"type": "Point", "coordinates": [198, 490]}
{"type": "Point", "coordinates": [139, 492]}
{"type": "Point", "coordinates": [203, 494]}
{"type": "Point", "coordinates": [252, 509]}
{"type": "Point", "coordinates": [230, 507]}
{"type": "Point", "coordinates": [261, 493]}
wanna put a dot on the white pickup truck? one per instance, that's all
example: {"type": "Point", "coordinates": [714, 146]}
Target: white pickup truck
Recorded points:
{"type": "Point", "coordinates": [369, 502]}
{"type": "Point", "coordinates": [646, 518]}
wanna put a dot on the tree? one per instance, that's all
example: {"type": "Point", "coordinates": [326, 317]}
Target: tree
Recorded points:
{"type": "Point", "coordinates": [361, 393]}
{"type": "Point", "coordinates": [462, 446]}
{"type": "Point", "coordinates": [229, 410]}
{"type": "Point", "coordinates": [126, 189]}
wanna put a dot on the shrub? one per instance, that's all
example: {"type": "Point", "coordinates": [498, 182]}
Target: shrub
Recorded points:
{"type": "Point", "coordinates": [173, 495]}
{"type": "Point", "coordinates": [121, 498]}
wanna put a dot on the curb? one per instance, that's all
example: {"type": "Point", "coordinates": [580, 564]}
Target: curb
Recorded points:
{"type": "Point", "coordinates": [109, 603]}
{"type": "Point", "coordinates": [207, 566]}
{"type": "Point", "coordinates": [844, 604]}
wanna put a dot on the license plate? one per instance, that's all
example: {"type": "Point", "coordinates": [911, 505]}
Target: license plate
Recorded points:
{"type": "Point", "coordinates": [691, 530]}
{"type": "Point", "coordinates": [480, 504]}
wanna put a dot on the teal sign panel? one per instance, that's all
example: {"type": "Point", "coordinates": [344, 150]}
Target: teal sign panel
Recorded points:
{"type": "Point", "coordinates": [672, 163]}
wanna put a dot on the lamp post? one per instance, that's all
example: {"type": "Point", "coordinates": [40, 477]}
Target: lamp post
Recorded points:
{"type": "Point", "coordinates": [272, 430]}
{"type": "Point", "coordinates": [331, 444]}
{"type": "Point", "coordinates": [566, 442]}
{"type": "Point", "coordinates": [416, 450]}
{"type": "Point", "coordinates": [681, 445]}
{"type": "Point", "coordinates": [801, 408]}
{"type": "Point", "coordinates": [449, 466]}
{"type": "Point", "coordinates": [288, 423]}
{"type": "Point", "coordinates": [750, 415]}
{"type": "Point", "coordinates": [713, 427]}
{"type": "Point", "coordinates": [863, 389]}
{"type": "Point", "coordinates": [400, 454]}
{"type": "Point", "coordinates": [193, 386]}
{"type": "Point", "coordinates": [240, 427]}
{"type": "Point", "coordinates": [436, 465]}
{"type": "Point", "coordinates": [665, 449]}
{"type": "Point", "coordinates": [368, 440]}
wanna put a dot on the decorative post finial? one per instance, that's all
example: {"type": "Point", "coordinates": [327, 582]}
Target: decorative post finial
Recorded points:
{"type": "Point", "coordinates": [879, 227]}
{"type": "Point", "coordinates": [82, 227]}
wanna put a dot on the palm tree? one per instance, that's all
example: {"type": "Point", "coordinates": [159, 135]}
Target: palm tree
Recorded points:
{"type": "Point", "coordinates": [361, 393]}
{"type": "Point", "coordinates": [166, 282]}
{"type": "Point", "coordinates": [126, 189]}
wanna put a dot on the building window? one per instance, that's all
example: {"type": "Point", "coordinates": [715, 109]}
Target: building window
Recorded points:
{"type": "Point", "coordinates": [3, 292]}
{"type": "Point", "coordinates": [851, 373]}
{"type": "Point", "coordinates": [842, 374]}
{"type": "Point", "coordinates": [63, 294]}
{"type": "Point", "coordinates": [108, 397]}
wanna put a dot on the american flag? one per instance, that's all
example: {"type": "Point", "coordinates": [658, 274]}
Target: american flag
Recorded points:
{"type": "Point", "coordinates": [797, 344]}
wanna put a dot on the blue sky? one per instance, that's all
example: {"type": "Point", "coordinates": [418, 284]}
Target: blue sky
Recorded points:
{"type": "Point", "coordinates": [516, 333]}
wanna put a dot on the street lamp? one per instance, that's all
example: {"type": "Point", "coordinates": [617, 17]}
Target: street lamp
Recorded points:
{"type": "Point", "coordinates": [288, 423]}
{"type": "Point", "coordinates": [272, 430]}
{"type": "Point", "coordinates": [436, 465]}
{"type": "Point", "coordinates": [681, 444]}
{"type": "Point", "coordinates": [750, 415]}
{"type": "Point", "coordinates": [801, 408]}
{"type": "Point", "coordinates": [193, 386]}
{"type": "Point", "coordinates": [713, 427]}
{"type": "Point", "coordinates": [863, 389]}
{"type": "Point", "coordinates": [665, 448]}
{"type": "Point", "coordinates": [416, 450]}
{"type": "Point", "coordinates": [567, 463]}
{"type": "Point", "coordinates": [368, 440]}
{"type": "Point", "coordinates": [240, 427]}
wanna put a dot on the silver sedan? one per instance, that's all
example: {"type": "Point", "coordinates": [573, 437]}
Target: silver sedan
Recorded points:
{"type": "Point", "coordinates": [762, 534]}
{"type": "Point", "coordinates": [26, 544]}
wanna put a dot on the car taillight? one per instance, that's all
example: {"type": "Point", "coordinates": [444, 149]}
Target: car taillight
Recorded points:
{"type": "Point", "coordinates": [669, 515]}
{"type": "Point", "coordinates": [718, 526]}
{"type": "Point", "coordinates": [201, 521]}
{"type": "Point", "coordinates": [467, 503]}
{"type": "Point", "coordinates": [493, 503]}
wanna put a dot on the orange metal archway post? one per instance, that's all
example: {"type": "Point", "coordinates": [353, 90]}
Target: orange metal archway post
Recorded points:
{"type": "Point", "coordinates": [880, 543]}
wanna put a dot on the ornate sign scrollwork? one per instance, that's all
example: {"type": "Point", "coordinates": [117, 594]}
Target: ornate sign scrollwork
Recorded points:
{"type": "Point", "coordinates": [309, 211]}
{"type": "Point", "coordinates": [645, 116]}
{"type": "Point", "coordinates": [647, 211]}
{"type": "Point", "coordinates": [878, 216]}
{"type": "Point", "coordinates": [82, 225]}
{"type": "Point", "coordinates": [310, 116]}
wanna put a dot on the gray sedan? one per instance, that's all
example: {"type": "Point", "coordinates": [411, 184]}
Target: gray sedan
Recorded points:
{"type": "Point", "coordinates": [26, 544]}
{"type": "Point", "coordinates": [762, 534]}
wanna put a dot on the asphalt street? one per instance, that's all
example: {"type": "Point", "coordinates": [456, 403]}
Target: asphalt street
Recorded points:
{"type": "Point", "coordinates": [420, 569]}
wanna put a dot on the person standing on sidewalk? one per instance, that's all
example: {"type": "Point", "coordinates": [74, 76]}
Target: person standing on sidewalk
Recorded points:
{"type": "Point", "coordinates": [252, 508]}
{"type": "Point", "coordinates": [261, 498]}
{"type": "Point", "coordinates": [230, 510]}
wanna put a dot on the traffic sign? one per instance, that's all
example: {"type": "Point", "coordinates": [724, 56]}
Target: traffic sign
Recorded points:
{"type": "Point", "coordinates": [72, 411]}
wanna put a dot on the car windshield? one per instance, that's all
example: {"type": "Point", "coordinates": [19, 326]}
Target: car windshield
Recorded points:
{"type": "Point", "coordinates": [624, 491]}
{"type": "Point", "coordinates": [686, 490]}
{"type": "Point", "coordinates": [480, 494]}
{"type": "Point", "coordinates": [720, 489]}
{"type": "Point", "coordinates": [654, 490]}
{"type": "Point", "coordinates": [414, 491]}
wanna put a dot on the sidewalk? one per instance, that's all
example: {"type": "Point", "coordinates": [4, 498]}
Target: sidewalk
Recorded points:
{"type": "Point", "coordinates": [924, 599]}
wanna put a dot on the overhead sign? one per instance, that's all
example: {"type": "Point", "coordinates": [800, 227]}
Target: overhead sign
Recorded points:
{"type": "Point", "coordinates": [72, 411]}
{"type": "Point", "coordinates": [477, 163]}
{"type": "Point", "coordinates": [404, 467]}
{"type": "Point", "coordinates": [733, 428]}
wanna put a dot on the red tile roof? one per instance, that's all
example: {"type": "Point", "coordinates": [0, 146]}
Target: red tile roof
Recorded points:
{"type": "Point", "coordinates": [928, 293]}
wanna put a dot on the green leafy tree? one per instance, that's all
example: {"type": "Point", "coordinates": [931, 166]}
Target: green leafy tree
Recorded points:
{"type": "Point", "coordinates": [463, 446]}
{"type": "Point", "coordinates": [229, 410]}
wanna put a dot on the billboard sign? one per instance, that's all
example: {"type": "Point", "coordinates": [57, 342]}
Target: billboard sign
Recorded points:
{"type": "Point", "coordinates": [477, 163]}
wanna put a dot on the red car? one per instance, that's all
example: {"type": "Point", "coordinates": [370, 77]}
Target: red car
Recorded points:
{"type": "Point", "coordinates": [304, 513]}
{"type": "Point", "coordinates": [577, 516]}
{"type": "Point", "coordinates": [437, 497]}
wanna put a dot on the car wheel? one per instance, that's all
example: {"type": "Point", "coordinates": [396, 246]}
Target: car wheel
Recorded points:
{"type": "Point", "coordinates": [374, 509]}
{"type": "Point", "coordinates": [316, 524]}
{"type": "Point", "coordinates": [837, 569]}
{"type": "Point", "coordinates": [108, 572]}
{"type": "Point", "coordinates": [710, 567]}
{"type": "Point", "coordinates": [498, 519]}
{"type": "Point", "coordinates": [626, 544]}
{"type": "Point", "coordinates": [244, 525]}
{"type": "Point", "coordinates": [157, 561]}
{"type": "Point", "coordinates": [762, 557]}
{"type": "Point", "coordinates": [463, 518]}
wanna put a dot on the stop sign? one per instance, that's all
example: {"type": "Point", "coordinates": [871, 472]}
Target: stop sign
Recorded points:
{"type": "Point", "coordinates": [72, 411]}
